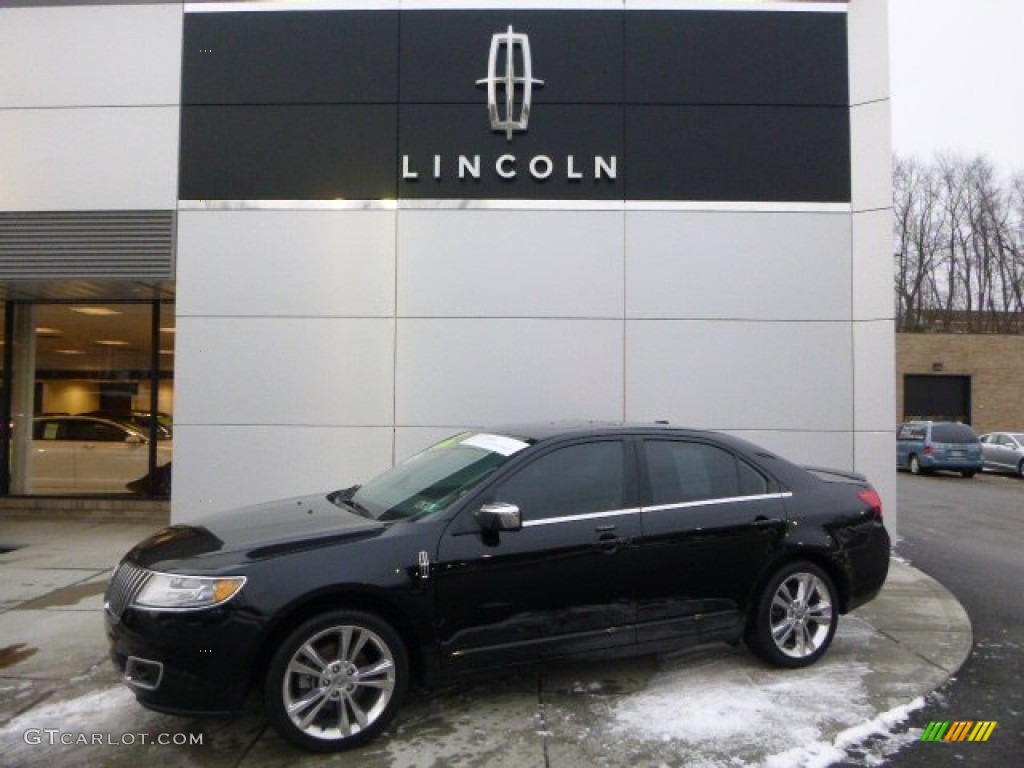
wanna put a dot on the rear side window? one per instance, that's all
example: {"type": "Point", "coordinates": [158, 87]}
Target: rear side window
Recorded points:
{"type": "Point", "coordinates": [914, 432]}
{"type": "Point", "coordinates": [681, 472]}
{"type": "Point", "coordinates": [953, 433]}
{"type": "Point", "coordinates": [49, 430]}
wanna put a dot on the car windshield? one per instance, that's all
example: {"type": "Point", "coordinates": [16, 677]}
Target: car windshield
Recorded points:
{"type": "Point", "coordinates": [1019, 437]}
{"type": "Point", "coordinates": [431, 480]}
{"type": "Point", "coordinates": [953, 433]}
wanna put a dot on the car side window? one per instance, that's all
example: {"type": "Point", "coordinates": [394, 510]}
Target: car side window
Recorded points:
{"type": "Point", "coordinates": [681, 472]}
{"type": "Point", "coordinates": [911, 432]}
{"type": "Point", "coordinates": [575, 480]}
{"type": "Point", "coordinates": [98, 432]}
{"type": "Point", "coordinates": [48, 430]}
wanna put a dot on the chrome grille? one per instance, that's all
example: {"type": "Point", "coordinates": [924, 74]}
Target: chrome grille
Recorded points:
{"type": "Point", "coordinates": [128, 581]}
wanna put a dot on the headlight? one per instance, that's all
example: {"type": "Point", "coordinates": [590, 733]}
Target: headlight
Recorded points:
{"type": "Point", "coordinates": [170, 591]}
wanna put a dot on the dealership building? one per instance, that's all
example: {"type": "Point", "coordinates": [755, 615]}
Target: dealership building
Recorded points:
{"type": "Point", "coordinates": [320, 236]}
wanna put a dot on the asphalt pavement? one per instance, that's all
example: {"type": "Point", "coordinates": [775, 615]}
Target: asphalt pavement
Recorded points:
{"type": "Point", "coordinates": [61, 703]}
{"type": "Point", "coordinates": [972, 533]}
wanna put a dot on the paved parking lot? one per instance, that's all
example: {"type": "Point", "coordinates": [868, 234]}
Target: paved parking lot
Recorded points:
{"type": "Point", "coordinates": [62, 705]}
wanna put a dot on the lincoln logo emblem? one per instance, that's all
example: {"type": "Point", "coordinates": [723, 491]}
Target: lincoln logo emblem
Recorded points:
{"type": "Point", "coordinates": [513, 84]}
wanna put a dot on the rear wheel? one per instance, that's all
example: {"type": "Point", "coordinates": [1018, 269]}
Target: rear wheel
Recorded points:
{"type": "Point", "coordinates": [337, 681]}
{"type": "Point", "coordinates": [968, 473]}
{"type": "Point", "coordinates": [795, 617]}
{"type": "Point", "coordinates": [915, 465]}
{"type": "Point", "coordinates": [1020, 469]}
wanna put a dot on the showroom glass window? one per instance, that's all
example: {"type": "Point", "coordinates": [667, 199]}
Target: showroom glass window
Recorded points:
{"type": "Point", "coordinates": [90, 398]}
{"type": "Point", "coordinates": [575, 480]}
{"type": "Point", "coordinates": [680, 472]}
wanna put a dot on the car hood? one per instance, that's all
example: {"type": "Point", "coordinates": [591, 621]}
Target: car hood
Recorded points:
{"type": "Point", "coordinates": [252, 533]}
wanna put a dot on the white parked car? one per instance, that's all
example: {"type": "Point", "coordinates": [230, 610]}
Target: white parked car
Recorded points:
{"type": "Point", "coordinates": [85, 454]}
{"type": "Point", "coordinates": [1004, 452]}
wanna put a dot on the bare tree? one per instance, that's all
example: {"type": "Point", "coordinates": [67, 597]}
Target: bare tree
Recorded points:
{"type": "Point", "coordinates": [958, 234]}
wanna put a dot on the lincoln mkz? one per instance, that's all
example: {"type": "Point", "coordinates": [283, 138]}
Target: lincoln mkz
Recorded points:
{"type": "Point", "coordinates": [488, 550]}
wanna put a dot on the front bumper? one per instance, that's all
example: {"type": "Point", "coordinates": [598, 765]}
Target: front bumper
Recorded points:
{"type": "Point", "coordinates": [185, 662]}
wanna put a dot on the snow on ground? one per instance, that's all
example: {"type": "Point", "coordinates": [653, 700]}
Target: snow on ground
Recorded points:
{"type": "Point", "coordinates": [96, 711]}
{"type": "Point", "coordinates": [762, 721]}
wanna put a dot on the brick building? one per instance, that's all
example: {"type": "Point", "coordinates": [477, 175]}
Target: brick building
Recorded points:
{"type": "Point", "coordinates": [968, 377]}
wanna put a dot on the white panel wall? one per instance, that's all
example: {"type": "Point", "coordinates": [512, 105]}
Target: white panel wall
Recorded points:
{"type": "Point", "coordinates": [284, 361]}
{"type": "Point", "coordinates": [740, 375]}
{"type": "Point", "coordinates": [287, 371]}
{"type": "Point", "coordinates": [286, 263]}
{"type": "Point", "coordinates": [220, 467]}
{"type": "Point", "coordinates": [91, 55]}
{"type": "Point", "coordinates": [873, 311]}
{"type": "Point", "coordinates": [121, 158]}
{"type": "Point", "coordinates": [89, 107]}
{"type": "Point", "coordinates": [479, 371]}
{"type": "Point", "coordinates": [510, 264]}
{"type": "Point", "coordinates": [765, 266]}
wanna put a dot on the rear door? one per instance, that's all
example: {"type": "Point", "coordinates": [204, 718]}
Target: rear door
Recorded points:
{"type": "Point", "coordinates": [1004, 451]}
{"type": "Point", "coordinates": [711, 523]}
{"type": "Point", "coordinates": [561, 584]}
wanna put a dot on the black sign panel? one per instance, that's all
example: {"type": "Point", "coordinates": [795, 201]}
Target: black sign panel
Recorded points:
{"type": "Point", "coordinates": [639, 105]}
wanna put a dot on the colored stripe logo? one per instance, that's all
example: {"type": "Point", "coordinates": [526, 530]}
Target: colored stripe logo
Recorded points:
{"type": "Point", "coordinates": [960, 730]}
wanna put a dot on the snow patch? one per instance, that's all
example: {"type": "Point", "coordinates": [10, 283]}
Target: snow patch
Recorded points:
{"type": "Point", "coordinates": [91, 712]}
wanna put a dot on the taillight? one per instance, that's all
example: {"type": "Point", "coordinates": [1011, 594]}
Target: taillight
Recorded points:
{"type": "Point", "coordinates": [873, 500]}
{"type": "Point", "coordinates": [928, 450]}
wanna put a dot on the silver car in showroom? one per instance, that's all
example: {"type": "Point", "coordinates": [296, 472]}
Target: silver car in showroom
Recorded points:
{"type": "Point", "coordinates": [1003, 452]}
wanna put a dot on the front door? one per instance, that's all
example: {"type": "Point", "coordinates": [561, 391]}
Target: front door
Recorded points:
{"type": "Point", "coordinates": [560, 584]}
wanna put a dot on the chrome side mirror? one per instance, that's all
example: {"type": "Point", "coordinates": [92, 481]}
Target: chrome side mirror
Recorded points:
{"type": "Point", "coordinates": [499, 516]}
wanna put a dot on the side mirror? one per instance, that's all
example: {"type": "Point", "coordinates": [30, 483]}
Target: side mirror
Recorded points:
{"type": "Point", "coordinates": [499, 516]}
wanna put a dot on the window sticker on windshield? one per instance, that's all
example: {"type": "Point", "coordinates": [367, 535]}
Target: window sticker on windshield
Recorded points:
{"type": "Point", "coordinates": [506, 446]}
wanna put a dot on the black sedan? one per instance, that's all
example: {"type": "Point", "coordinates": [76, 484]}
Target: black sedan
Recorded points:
{"type": "Point", "coordinates": [486, 550]}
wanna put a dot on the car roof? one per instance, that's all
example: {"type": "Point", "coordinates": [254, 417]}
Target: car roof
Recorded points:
{"type": "Point", "coordinates": [558, 430]}
{"type": "Point", "coordinates": [543, 431]}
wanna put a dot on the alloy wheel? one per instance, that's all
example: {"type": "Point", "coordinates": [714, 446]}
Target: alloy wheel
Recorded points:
{"type": "Point", "coordinates": [801, 615]}
{"type": "Point", "coordinates": [337, 681]}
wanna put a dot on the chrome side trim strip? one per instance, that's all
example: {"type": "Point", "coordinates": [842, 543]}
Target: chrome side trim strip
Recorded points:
{"type": "Point", "coordinates": [715, 502]}
{"type": "Point", "coordinates": [577, 518]}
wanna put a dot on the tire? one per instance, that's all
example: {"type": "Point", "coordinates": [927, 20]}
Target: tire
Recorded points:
{"type": "Point", "coordinates": [1020, 469]}
{"type": "Point", "coordinates": [314, 695]}
{"type": "Point", "coordinates": [967, 473]}
{"type": "Point", "coordinates": [795, 617]}
{"type": "Point", "coordinates": [915, 465]}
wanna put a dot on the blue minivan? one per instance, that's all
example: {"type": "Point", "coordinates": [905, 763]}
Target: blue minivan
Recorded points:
{"type": "Point", "coordinates": [923, 446]}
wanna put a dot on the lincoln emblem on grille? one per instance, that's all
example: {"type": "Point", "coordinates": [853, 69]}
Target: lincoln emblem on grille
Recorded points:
{"type": "Point", "coordinates": [513, 84]}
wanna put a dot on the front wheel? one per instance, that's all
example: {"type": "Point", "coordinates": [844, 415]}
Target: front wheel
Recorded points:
{"type": "Point", "coordinates": [336, 681]}
{"type": "Point", "coordinates": [795, 618]}
{"type": "Point", "coordinates": [1020, 469]}
{"type": "Point", "coordinates": [967, 473]}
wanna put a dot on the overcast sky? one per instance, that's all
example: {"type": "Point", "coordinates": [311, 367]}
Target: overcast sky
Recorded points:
{"type": "Point", "coordinates": [957, 78]}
